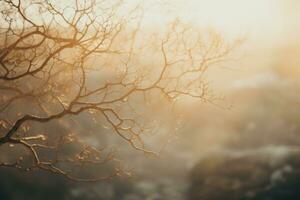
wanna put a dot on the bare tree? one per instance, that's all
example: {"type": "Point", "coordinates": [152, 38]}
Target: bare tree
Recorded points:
{"type": "Point", "coordinates": [83, 58]}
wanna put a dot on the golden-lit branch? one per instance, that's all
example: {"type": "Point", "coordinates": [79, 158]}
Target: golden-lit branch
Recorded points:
{"type": "Point", "coordinates": [83, 57]}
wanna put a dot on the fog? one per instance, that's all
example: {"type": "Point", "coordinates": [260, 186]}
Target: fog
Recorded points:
{"type": "Point", "coordinates": [243, 146]}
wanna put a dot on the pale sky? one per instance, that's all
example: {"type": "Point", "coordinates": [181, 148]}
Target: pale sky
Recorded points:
{"type": "Point", "coordinates": [268, 25]}
{"type": "Point", "coordinates": [262, 22]}
{"type": "Point", "coordinates": [228, 16]}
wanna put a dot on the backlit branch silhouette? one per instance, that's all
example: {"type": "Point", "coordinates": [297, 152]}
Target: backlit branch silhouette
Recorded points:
{"type": "Point", "coordinates": [84, 57]}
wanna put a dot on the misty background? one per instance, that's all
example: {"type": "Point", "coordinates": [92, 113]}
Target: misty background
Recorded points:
{"type": "Point", "coordinates": [247, 147]}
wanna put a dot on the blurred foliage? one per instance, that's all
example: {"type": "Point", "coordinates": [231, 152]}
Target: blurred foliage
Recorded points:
{"type": "Point", "coordinates": [254, 177]}
{"type": "Point", "coordinates": [16, 185]}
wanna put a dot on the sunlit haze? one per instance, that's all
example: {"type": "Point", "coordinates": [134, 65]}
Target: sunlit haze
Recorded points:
{"type": "Point", "coordinates": [149, 100]}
